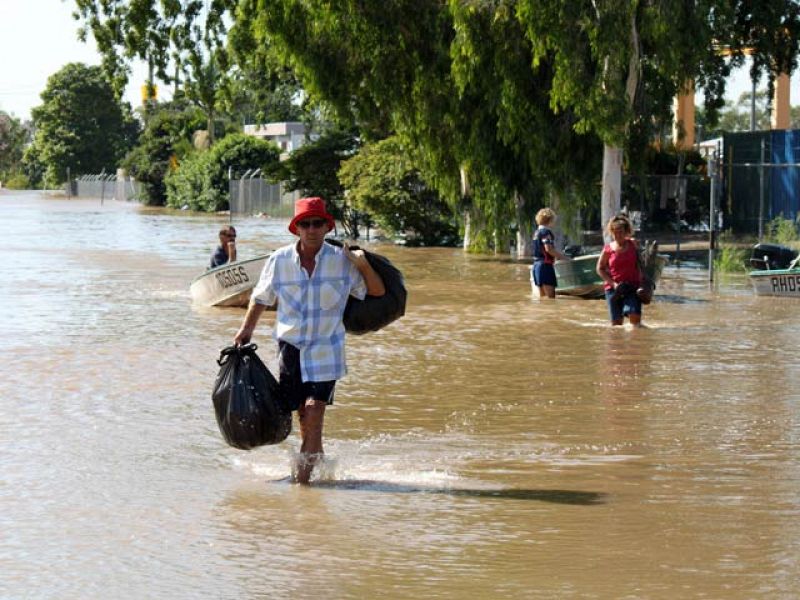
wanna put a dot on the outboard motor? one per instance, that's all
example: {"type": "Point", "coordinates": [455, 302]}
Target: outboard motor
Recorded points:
{"type": "Point", "coordinates": [771, 256]}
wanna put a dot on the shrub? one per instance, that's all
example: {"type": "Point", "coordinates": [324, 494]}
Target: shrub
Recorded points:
{"type": "Point", "coordinates": [730, 257]}
{"type": "Point", "coordinates": [166, 138]}
{"type": "Point", "coordinates": [781, 231]}
{"type": "Point", "coordinates": [201, 180]}
{"type": "Point", "coordinates": [384, 181]}
{"type": "Point", "coordinates": [190, 185]}
{"type": "Point", "coordinates": [18, 181]}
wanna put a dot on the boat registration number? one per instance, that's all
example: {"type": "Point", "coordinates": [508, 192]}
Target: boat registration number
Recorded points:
{"type": "Point", "coordinates": [785, 283]}
{"type": "Point", "coordinates": [232, 276]}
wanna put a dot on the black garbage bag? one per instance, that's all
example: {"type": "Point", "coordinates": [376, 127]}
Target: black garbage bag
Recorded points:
{"type": "Point", "coordinates": [247, 401]}
{"type": "Point", "coordinates": [376, 312]}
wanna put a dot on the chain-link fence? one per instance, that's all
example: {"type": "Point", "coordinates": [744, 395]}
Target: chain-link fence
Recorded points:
{"type": "Point", "coordinates": [254, 195]}
{"type": "Point", "coordinates": [761, 173]}
{"type": "Point", "coordinates": [667, 202]}
{"type": "Point", "coordinates": [105, 187]}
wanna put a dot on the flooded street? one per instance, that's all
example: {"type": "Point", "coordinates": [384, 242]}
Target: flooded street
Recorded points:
{"type": "Point", "coordinates": [487, 445]}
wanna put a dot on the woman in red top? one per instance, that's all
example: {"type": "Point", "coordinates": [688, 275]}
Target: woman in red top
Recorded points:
{"type": "Point", "coordinates": [618, 265]}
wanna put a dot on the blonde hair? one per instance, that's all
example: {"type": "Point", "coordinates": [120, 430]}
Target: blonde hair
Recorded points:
{"type": "Point", "coordinates": [618, 221]}
{"type": "Point", "coordinates": [545, 216]}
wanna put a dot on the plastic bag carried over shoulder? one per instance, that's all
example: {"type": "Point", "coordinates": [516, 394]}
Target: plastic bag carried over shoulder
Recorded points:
{"type": "Point", "coordinates": [376, 312]}
{"type": "Point", "coordinates": [247, 400]}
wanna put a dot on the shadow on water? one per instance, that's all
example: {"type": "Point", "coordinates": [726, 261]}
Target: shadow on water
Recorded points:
{"type": "Point", "coordinates": [555, 496]}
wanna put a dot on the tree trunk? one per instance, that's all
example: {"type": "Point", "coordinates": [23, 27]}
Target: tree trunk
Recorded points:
{"type": "Point", "coordinates": [612, 156]}
{"type": "Point", "coordinates": [559, 235]}
{"type": "Point", "coordinates": [612, 185]}
{"type": "Point", "coordinates": [467, 230]}
{"type": "Point", "coordinates": [210, 125]}
{"type": "Point", "coordinates": [524, 230]}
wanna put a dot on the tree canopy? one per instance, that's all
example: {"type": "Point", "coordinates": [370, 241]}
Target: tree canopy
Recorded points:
{"type": "Point", "coordinates": [80, 125]}
{"type": "Point", "coordinates": [313, 170]}
{"type": "Point", "coordinates": [508, 104]}
{"type": "Point", "coordinates": [166, 139]}
{"type": "Point", "coordinates": [201, 181]}
{"type": "Point", "coordinates": [384, 181]}
{"type": "Point", "coordinates": [13, 136]}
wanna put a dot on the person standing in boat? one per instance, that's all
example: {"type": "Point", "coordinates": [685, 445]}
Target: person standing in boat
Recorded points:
{"type": "Point", "coordinates": [618, 266]}
{"type": "Point", "coordinates": [311, 282]}
{"type": "Point", "coordinates": [545, 254]}
{"type": "Point", "coordinates": [226, 251]}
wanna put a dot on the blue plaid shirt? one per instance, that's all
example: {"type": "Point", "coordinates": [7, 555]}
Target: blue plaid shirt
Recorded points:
{"type": "Point", "coordinates": [310, 309]}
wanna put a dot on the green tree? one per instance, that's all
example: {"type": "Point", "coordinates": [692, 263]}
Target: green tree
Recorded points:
{"type": "Point", "coordinates": [166, 139]}
{"type": "Point", "coordinates": [201, 180]}
{"type": "Point", "coordinates": [313, 170]}
{"type": "Point", "coordinates": [260, 88]}
{"type": "Point", "coordinates": [383, 180]}
{"type": "Point", "coordinates": [183, 42]}
{"type": "Point", "coordinates": [32, 166]}
{"type": "Point", "coordinates": [139, 29]}
{"type": "Point", "coordinates": [13, 138]}
{"type": "Point", "coordinates": [80, 125]}
{"type": "Point", "coordinates": [452, 79]}
{"type": "Point", "coordinates": [623, 62]}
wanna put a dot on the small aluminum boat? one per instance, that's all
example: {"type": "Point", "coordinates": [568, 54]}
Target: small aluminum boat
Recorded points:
{"type": "Point", "coordinates": [776, 271]}
{"type": "Point", "coordinates": [578, 277]}
{"type": "Point", "coordinates": [228, 285]}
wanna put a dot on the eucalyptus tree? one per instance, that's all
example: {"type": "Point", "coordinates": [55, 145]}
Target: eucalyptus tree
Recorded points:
{"type": "Point", "coordinates": [608, 56]}
{"type": "Point", "coordinates": [124, 30]}
{"type": "Point", "coordinates": [185, 36]}
{"type": "Point", "coordinates": [261, 88]}
{"type": "Point", "coordinates": [515, 142]}
{"type": "Point", "coordinates": [452, 79]}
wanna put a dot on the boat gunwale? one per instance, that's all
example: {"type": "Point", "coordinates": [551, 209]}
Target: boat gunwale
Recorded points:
{"type": "Point", "coordinates": [769, 272]}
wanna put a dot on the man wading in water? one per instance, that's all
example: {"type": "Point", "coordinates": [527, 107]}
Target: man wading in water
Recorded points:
{"type": "Point", "coordinates": [311, 281]}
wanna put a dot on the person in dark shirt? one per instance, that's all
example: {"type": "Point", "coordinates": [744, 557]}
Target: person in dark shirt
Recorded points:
{"type": "Point", "coordinates": [226, 251]}
{"type": "Point", "coordinates": [545, 254]}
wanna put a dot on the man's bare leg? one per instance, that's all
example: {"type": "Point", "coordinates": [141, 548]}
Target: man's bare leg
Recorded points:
{"type": "Point", "coordinates": [311, 416]}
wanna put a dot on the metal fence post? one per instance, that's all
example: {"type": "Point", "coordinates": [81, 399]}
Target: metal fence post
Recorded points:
{"type": "Point", "coordinates": [761, 194]}
{"type": "Point", "coordinates": [250, 187]}
{"type": "Point", "coordinates": [712, 213]}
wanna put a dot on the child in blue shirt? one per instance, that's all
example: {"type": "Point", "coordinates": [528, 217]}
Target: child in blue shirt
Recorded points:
{"type": "Point", "coordinates": [545, 254]}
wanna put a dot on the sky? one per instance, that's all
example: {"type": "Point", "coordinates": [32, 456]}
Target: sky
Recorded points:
{"type": "Point", "coordinates": [38, 37]}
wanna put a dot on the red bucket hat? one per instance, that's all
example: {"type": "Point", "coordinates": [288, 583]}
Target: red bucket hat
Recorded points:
{"type": "Point", "coordinates": [310, 207]}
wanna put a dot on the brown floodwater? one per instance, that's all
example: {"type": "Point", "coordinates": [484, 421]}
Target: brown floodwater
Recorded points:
{"type": "Point", "coordinates": [487, 445]}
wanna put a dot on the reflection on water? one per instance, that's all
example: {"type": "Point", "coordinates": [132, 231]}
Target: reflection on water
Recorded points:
{"type": "Point", "coordinates": [486, 445]}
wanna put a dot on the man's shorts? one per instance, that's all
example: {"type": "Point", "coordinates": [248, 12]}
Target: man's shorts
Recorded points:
{"type": "Point", "coordinates": [544, 274]}
{"type": "Point", "coordinates": [294, 391]}
{"type": "Point", "coordinates": [622, 305]}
